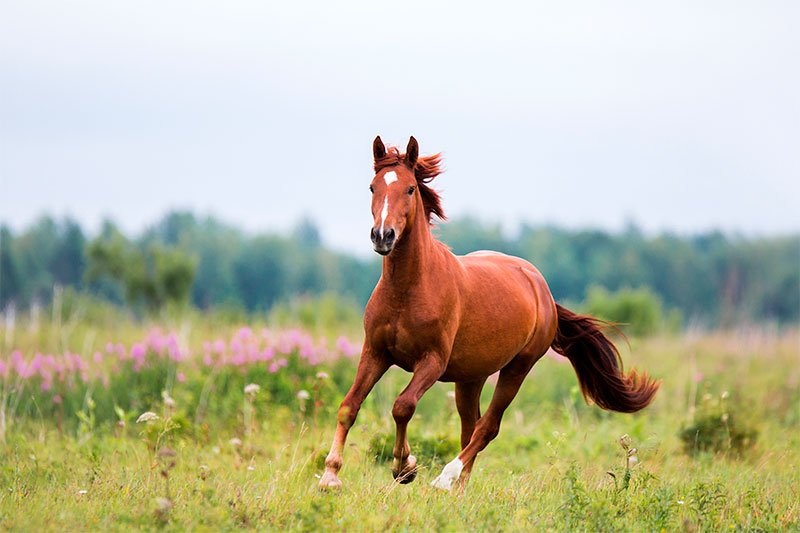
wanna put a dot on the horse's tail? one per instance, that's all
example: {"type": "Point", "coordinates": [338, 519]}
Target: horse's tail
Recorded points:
{"type": "Point", "coordinates": [598, 365]}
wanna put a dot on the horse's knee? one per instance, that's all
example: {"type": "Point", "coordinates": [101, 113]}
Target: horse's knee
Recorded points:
{"type": "Point", "coordinates": [347, 413]}
{"type": "Point", "coordinates": [403, 409]}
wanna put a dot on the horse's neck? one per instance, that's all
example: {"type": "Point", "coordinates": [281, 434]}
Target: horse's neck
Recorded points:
{"type": "Point", "coordinates": [416, 257]}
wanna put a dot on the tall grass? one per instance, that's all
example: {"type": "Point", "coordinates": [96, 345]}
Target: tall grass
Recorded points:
{"type": "Point", "coordinates": [218, 457]}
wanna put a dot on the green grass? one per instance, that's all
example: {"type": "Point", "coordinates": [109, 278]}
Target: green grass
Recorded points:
{"type": "Point", "coordinates": [547, 470]}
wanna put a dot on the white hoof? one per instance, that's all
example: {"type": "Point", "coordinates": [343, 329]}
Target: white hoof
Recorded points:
{"type": "Point", "coordinates": [450, 473]}
{"type": "Point", "coordinates": [330, 481]}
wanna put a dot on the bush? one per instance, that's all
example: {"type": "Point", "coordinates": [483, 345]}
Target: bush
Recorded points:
{"type": "Point", "coordinates": [637, 311]}
{"type": "Point", "coordinates": [716, 429]}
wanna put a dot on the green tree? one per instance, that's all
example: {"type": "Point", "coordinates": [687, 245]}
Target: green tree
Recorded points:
{"type": "Point", "coordinates": [11, 279]}
{"type": "Point", "coordinates": [151, 278]}
{"type": "Point", "coordinates": [68, 261]}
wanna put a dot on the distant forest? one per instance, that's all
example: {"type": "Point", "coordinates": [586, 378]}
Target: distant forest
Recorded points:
{"type": "Point", "coordinates": [712, 277]}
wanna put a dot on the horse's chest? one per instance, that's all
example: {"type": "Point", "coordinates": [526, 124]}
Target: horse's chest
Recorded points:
{"type": "Point", "coordinates": [406, 338]}
{"type": "Point", "coordinates": [398, 342]}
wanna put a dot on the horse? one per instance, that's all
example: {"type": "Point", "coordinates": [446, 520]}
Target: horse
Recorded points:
{"type": "Point", "coordinates": [461, 319]}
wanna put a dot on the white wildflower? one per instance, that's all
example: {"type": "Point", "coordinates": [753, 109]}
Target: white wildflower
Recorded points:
{"type": "Point", "coordinates": [322, 375]}
{"type": "Point", "coordinates": [235, 442]}
{"type": "Point", "coordinates": [163, 505]}
{"type": "Point", "coordinates": [252, 389]}
{"type": "Point", "coordinates": [83, 491]}
{"type": "Point", "coordinates": [146, 417]}
{"type": "Point", "coordinates": [303, 395]}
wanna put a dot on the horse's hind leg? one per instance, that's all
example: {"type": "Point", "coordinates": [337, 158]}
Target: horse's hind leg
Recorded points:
{"type": "Point", "coordinates": [468, 403]}
{"type": "Point", "coordinates": [488, 426]}
{"type": "Point", "coordinates": [426, 373]}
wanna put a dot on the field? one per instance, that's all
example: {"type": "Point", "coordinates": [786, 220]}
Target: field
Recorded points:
{"type": "Point", "coordinates": [719, 449]}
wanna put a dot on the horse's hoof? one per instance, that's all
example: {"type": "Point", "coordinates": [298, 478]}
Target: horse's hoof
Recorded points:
{"type": "Point", "coordinates": [409, 473]}
{"type": "Point", "coordinates": [330, 481]}
{"type": "Point", "coordinates": [450, 474]}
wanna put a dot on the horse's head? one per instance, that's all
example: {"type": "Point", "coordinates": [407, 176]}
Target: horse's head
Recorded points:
{"type": "Point", "coordinates": [395, 195]}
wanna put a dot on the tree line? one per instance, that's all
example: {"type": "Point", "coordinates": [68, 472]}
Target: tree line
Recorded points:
{"type": "Point", "coordinates": [713, 277]}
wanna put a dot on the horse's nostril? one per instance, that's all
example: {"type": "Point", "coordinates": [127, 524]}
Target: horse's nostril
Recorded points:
{"type": "Point", "coordinates": [389, 235]}
{"type": "Point", "coordinates": [373, 234]}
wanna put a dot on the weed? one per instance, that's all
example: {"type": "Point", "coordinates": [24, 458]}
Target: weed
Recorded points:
{"type": "Point", "coordinates": [574, 507]}
{"type": "Point", "coordinates": [717, 429]}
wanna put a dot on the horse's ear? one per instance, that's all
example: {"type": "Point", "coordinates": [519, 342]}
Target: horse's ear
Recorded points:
{"type": "Point", "coordinates": [378, 149]}
{"type": "Point", "coordinates": [412, 152]}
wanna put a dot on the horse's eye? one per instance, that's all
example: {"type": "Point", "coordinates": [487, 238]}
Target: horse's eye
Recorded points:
{"type": "Point", "coordinates": [371, 188]}
{"type": "Point", "coordinates": [411, 190]}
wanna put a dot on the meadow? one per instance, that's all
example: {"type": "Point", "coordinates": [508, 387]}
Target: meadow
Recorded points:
{"type": "Point", "coordinates": [190, 422]}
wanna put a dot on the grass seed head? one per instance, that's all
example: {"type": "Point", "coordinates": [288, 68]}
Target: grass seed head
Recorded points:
{"type": "Point", "coordinates": [147, 416]}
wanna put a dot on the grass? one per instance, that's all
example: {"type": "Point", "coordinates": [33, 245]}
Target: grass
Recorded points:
{"type": "Point", "coordinates": [556, 465]}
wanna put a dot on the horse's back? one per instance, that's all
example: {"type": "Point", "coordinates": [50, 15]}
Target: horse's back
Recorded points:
{"type": "Point", "coordinates": [501, 274]}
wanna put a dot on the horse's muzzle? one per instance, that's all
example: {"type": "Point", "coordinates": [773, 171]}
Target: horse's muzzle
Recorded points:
{"type": "Point", "coordinates": [383, 244]}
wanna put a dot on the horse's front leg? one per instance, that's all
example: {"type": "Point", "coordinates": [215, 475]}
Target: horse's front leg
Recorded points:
{"type": "Point", "coordinates": [426, 372]}
{"type": "Point", "coordinates": [370, 369]}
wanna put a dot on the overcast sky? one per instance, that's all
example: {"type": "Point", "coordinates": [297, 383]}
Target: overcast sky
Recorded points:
{"type": "Point", "coordinates": [682, 116]}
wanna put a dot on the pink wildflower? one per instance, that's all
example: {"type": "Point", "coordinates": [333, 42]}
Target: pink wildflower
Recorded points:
{"type": "Point", "coordinates": [347, 348]}
{"type": "Point", "coordinates": [138, 350]}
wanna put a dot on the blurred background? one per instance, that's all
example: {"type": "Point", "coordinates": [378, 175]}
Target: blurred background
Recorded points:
{"type": "Point", "coordinates": [190, 153]}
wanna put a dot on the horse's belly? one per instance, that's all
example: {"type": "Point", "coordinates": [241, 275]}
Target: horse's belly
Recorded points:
{"type": "Point", "coordinates": [470, 361]}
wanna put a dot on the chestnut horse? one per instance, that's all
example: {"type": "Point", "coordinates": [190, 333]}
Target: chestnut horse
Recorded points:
{"type": "Point", "coordinates": [461, 319]}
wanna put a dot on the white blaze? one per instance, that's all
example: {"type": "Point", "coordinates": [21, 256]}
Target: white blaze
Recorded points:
{"type": "Point", "coordinates": [390, 177]}
{"type": "Point", "coordinates": [384, 212]}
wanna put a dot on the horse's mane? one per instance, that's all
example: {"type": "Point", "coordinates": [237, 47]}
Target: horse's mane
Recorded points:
{"type": "Point", "coordinates": [426, 168]}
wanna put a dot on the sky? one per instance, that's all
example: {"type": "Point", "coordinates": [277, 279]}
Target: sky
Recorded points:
{"type": "Point", "coordinates": [678, 116]}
